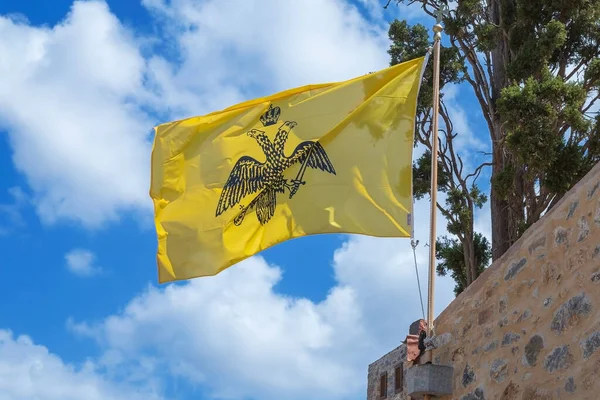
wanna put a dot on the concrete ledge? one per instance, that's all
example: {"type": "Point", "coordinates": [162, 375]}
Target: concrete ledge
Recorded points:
{"type": "Point", "coordinates": [432, 379]}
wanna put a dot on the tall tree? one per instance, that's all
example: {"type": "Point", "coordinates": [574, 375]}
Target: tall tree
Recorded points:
{"type": "Point", "coordinates": [534, 67]}
{"type": "Point", "coordinates": [465, 256]}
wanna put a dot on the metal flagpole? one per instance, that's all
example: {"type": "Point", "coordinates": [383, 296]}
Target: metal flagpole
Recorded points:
{"type": "Point", "coordinates": [437, 29]}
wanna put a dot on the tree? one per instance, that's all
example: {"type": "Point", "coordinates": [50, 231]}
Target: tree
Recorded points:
{"type": "Point", "coordinates": [450, 254]}
{"type": "Point", "coordinates": [534, 67]}
{"type": "Point", "coordinates": [465, 255]}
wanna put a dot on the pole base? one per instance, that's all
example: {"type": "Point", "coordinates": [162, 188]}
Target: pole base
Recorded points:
{"type": "Point", "coordinates": [429, 379]}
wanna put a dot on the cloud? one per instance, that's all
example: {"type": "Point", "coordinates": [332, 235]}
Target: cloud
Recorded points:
{"type": "Point", "coordinates": [82, 262]}
{"type": "Point", "coordinates": [79, 99]}
{"type": "Point", "coordinates": [467, 140]}
{"type": "Point", "coordinates": [29, 371]}
{"type": "Point", "coordinates": [235, 335]}
{"type": "Point", "coordinates": [232, 51]}
{"type": "Point", "coordinates": [69, 101]}
{"type": "Point", "coordinates": [10, 213]}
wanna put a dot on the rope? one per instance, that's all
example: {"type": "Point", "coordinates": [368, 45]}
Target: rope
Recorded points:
{"type": "Point", "coordinates": [414, 247]}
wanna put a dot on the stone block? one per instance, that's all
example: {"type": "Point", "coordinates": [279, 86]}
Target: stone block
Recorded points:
{"type": "Point", "coordinates": [432, 379]}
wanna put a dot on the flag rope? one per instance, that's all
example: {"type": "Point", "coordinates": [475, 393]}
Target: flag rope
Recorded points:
{"type": "Point", "coordinates": [414, 247]}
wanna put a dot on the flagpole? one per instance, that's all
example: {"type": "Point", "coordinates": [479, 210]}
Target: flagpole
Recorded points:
{"type": "Point", "coordinates": [437, 29]}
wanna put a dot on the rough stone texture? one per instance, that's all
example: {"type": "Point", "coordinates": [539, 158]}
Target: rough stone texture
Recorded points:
{"type": "Point", "coordinates": [557, 355]}
{"type": "Point", "coordinates": [571, 312]}
{"type": "Point", "coordinates": [584, 229]}
{"type": "Point", "coordinates": [537, 393]}
{"type": "Point", "coordinates": [515, 268]}
{"type": "Point", "coordinates": [490, 346]}
{"type": "Point", "coordinates": [591, 344]}
{"type": "Point", "coordinates": [592, 190]}
{"type": "Point", "coordinates": [477, 394]}
{"type": "Point", "coordinates": [484, 316]}
{"type": "Point", "coordinates": [532, 350]}
{"type": "Point", "coordinates": [526, 314]}
{"type": "Point", "coordinates": [537, 244]}
{"type": "Point", "coordinates": [510, 392]}
{"type": "Point", "coordinates": [468, 375]}
{"type": "Point", "coordinates": [570, 386]}
{"type": "Point", "coordinates": [387, 363]}
{"type": "Point", "coordinates": [560, 359]}
{"type": "Point", "coordinates": [561, 235]}
{"type": "Point", "coordinates": [502, 304]}
{"type": "Point", "coordinates": [499, 370]}
{"type": "Point", "coordinates": [510, 338]}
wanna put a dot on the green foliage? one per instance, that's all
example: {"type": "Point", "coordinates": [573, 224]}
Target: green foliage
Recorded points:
{"type": "Point", "coordinates": [409, 42]}
{"type": "Point", "coordinates": [535, 48]}
{"type": "Point", "coordinates": [422, 176]}
{"type": "Point", "coordinates": [503, 182]}
{"type": "Point", "coordinates": [450, 255]}
{"type": "Point", "coordinates": [592, 74]}
{"type": "Point", "coordinates": [534, 113]}
{"type": "Point", "coordinates": [534, 66]}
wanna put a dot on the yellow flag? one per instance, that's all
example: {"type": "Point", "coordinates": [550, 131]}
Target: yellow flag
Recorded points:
{"type": "Point", "coordinates": [328, 158]}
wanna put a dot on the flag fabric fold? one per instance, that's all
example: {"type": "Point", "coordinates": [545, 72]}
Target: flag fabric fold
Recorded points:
{"type": "Point", "coordinates": [328, 158]}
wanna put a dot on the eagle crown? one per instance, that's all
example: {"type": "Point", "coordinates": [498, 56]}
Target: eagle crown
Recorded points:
{"type": "Point", "coordinates": [271, 116]}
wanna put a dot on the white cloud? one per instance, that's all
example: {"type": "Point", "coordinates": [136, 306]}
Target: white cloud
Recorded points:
{"type": "Point", "coordinates": [236, 50]}
{"type": "Point", "coordinates": [75, 97]}
{"type": "Point", "coordinates": [68, 100]}
{"type": "Point", "coordinates": [82, 262]}
{"type": "Point", "coordinates": [235, 335]}
{"type": "Point", "coordinates": [29, 371]}
{"type": "Point", "coordinates": [467, 140]}
{"type": "Point", "coordinates": [10, 213]}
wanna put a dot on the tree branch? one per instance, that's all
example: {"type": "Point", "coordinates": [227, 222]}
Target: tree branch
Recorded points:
{"type": "Point", "coordinates": [478, 170]}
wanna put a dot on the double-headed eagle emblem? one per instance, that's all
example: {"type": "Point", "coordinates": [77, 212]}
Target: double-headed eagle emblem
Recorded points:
{"type": "Point", "coordinates": [249, 175]}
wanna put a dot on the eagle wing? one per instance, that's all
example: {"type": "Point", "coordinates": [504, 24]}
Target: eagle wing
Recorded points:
{"type": "Point", "coordinates": [246, 177]}
{"type": "Point", "coordinates": [317, 157]}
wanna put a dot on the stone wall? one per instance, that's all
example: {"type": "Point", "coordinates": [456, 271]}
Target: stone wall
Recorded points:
{"type": "Point", "coordinates": [529, 327]}
{"type": "Point", "coordinates": [387, 366]}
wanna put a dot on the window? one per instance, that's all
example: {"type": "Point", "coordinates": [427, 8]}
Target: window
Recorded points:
{"type": "Point", "coordinates": [399, 379]}
{"type": "Point", "coordinates": [383, 386]}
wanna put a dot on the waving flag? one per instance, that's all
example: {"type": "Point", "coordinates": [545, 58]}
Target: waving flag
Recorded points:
{"type": "Point", "coordinates": [327, 158]}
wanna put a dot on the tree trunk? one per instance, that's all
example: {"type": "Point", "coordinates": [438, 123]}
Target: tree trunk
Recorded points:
{"type": "Point", "coordinates": [499, 209]}
{"type": "Point", "coordinates": [499, 80]}
{"type": "Point", "coordinates": [467, 245]}
{"type": "Point", "coordinates": [470, 261]}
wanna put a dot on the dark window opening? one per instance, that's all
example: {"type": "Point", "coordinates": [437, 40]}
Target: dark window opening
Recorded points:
{"type": "Point", "coordinates": [399, 379]}
{"type": "Point", "coordinates": [383, 386]}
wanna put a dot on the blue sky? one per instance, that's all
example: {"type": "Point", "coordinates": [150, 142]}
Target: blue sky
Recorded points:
{"type": "Point", "coordinates": [81, 86]}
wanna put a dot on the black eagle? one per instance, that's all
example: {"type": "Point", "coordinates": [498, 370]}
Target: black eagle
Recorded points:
{"type": "Point", "coordinates": [249, 176]}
